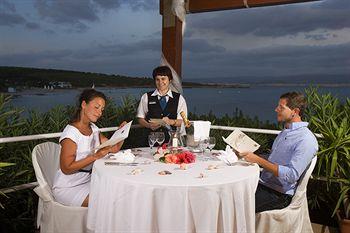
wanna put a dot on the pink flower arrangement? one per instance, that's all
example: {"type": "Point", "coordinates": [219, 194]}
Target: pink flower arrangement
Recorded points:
{"type": "Point", "coordinates": [165, 155]}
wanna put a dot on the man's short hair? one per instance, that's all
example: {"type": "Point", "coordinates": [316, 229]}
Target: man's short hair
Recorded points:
{"type": "Point", "coordinates": [162, 71]}
{"type": "Point", "coordinates": [295, 100]}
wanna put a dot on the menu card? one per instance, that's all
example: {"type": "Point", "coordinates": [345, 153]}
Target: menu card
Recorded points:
{"type": "Point", "coordinates": [240, 142]}
{"type": "Point", "coordinates": [119, 135]}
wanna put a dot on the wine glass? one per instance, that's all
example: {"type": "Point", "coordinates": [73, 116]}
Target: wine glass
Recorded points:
{"type": "Point", "coordinates": [160, 138]}
{"type": "Point", "coordinates": [203, 144]}
{"type": "Point", "coordinates": [212, 142]}
{"type": "Point", "coordinates": [151, 140]}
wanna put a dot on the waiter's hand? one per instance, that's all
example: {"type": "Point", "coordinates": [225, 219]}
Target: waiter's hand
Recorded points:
{"type": "Point", "coordinates": [168, 121]}
{"type": "Point", "coordinates": [153, 126]}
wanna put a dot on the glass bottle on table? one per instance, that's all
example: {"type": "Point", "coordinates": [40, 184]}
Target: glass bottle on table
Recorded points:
{"type": "Point", "coordinates": [188, 125]}
{"type": "Point", "coordinates": [175, 140]}
{"type": "Point", "coordinates": [190, 142]}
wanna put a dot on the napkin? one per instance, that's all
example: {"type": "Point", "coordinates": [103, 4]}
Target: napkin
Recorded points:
{"type": "Point", "coordinates": [124, 156]}
{"type": "Point", "coordinates": [201, 129]}
{"type": "Point", "coordinates": [228, 155]}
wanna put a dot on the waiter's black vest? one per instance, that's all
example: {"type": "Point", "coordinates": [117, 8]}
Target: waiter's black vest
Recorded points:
{"type": "Point", "coordinates": [155, 111]}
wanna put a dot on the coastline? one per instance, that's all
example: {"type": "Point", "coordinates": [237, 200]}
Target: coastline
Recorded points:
{"type": "Point", "coordinates": [42, 91]}
{"type": "Point", "coordinates": [302, 84]}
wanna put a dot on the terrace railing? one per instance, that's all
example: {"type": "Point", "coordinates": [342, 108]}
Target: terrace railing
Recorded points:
{"type": "Point", "coordinates": [57, 135]}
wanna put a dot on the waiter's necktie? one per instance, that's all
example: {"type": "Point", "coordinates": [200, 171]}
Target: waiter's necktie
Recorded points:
{"type": "Point", "coordinates": [162, 102]}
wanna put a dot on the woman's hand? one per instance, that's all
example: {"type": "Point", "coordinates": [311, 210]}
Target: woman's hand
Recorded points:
{"type": "Point", "coordinates": [116, 147]}
{"type": "Point", "coordinates": [103, 152]}
{"type": "Point", "coordinates": [122, 124]}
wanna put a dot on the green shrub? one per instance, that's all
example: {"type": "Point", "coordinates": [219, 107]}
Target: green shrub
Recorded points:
{"type": "Point", "coordinates": [330, 117]}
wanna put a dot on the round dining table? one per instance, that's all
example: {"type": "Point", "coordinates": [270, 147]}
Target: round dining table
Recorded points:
{"type": "Point", "coordinates": [205, 196]}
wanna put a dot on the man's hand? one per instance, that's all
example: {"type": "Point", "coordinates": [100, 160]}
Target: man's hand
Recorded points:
{"type": "Point", "coordinates": [254, 158]}
{"type": "Point", "coordinates": [249, 157]}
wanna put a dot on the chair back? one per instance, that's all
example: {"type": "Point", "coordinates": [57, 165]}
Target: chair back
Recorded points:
{"type": "Point", "coordinates": [46, 160]}
{"type": "Point", "coordinates": [295, 217]}
{"type": "Point", "coordinates": [304, 179]}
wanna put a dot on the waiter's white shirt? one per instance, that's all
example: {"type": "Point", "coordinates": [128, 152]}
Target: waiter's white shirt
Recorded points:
{"type": "Point", "coordinates": [142, 110]}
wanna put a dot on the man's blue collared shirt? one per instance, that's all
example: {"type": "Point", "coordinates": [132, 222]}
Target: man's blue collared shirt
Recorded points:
{"type": "Point", "coordinates": [292, 150]}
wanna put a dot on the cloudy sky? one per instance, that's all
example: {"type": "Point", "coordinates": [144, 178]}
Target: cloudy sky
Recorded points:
{"type": "Point", "coordinates": [124, 37]}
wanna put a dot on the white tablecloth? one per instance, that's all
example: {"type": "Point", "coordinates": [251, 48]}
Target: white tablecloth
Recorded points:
{"type": "Point", "coordinates": [222, 201]}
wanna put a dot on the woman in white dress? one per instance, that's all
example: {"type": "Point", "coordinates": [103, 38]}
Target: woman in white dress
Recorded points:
{"type": "Point", "coordinates": [78, 140]}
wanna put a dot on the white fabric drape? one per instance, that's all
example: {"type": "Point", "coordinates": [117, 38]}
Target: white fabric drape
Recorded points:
{"type": "Point", "coordinates": [245, 2]}
{"type": "Point", "coordinates": [178, 9]}
{"type": "Point", "coordinates": [175, 84]}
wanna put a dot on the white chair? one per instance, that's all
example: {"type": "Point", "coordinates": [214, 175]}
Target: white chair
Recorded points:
{"type": "Point", "coordinates": [295, 217]}
{"type": "Point", "coordinates": [53, 216]}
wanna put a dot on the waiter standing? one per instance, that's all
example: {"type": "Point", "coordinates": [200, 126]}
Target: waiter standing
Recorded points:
{"type": "Point", "coordinates": [162, 103]}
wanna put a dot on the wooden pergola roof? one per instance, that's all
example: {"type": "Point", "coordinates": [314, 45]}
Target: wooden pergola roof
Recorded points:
{"type": "Point", "coordinates": [172, 25]}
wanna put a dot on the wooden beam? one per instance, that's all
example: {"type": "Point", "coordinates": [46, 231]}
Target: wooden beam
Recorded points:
{"type": "Point", "coordinates": [197, 6]}
{"type": "Point", "coordinates": [171, 36]}
{"type": "Point", "coordinates": [172, 25]}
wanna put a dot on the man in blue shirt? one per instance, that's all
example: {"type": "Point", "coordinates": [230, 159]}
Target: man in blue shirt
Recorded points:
{"type": "Point", "coordinates": [292, 152]}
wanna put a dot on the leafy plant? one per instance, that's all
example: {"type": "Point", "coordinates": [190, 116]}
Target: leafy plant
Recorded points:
{"type": "Point", "coordinates": [329, 117]}
{"type": "Point", "coordinates": [6, 116]}
{"type": "Point", "coordinates": [1, 166]}
{"type": "Point", "coordinates": [9, 116]}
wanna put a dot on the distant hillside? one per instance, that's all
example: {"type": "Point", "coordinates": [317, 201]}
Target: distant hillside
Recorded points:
{"type": "Point", "coordinates": [33, 77]}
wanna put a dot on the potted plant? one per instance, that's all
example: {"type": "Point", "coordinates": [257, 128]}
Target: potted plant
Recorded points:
{"type": "Point", "coordinates": [342, 208]}
{"type": "Point", "coordinates": [331, 118]}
